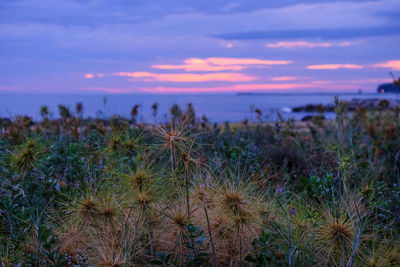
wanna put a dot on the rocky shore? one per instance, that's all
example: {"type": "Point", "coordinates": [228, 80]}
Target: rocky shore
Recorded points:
{"type": "Point", "coordinates": [355, 103]}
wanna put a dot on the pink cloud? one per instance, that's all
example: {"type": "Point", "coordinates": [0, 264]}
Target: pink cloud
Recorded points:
{"type": "Point", "coordinates": [334, 66]}
{"type": "Point", "coordinates": [391, 64]}
{"type": "Point", "coordinates": [247, 88]}
{"type": "Point", "coordinates": [197, 67]}
{"type": "Point", "coordinates": [305, 44]}
{"type": "Point", "coordinates": [284, 78]}
{"type": "Point", "coordinates": [321, 82]}
{"type": "Point", "coordinates": [185, 77]}
{"type": "Point", "coordinates": [89, 76]}
{"type": "Point", "coordinates": [220, 64]}
{"type": "Point", "coordinates": [221, 61]}
{"type": "Point", "coordinates": [263, 87]}
{"type": "Point", "coordinates": [345, 44]}
{"type": "Point", "coordinates": [298, 44]}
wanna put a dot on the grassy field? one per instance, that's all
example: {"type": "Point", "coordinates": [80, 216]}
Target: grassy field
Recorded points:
{"type": "Point", "coordinates": [110, 192]}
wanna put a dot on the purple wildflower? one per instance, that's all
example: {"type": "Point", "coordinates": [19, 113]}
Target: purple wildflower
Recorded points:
{"type": "Point", "coordinates": [280, 190]}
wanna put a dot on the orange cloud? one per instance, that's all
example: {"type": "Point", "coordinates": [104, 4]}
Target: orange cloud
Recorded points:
{"type": "Point", "coordinates": [334, 66]}
{"type": "Point", "coordinates": [391, 64]}
{"type": "Point", "coordinates": [89, 76]}
{"type": "Point", "coordinates": [185, 77]}
{"type": "Point", "coordinates": [284, 78]}
{"type": "Point", "coordinates": [220, 64]}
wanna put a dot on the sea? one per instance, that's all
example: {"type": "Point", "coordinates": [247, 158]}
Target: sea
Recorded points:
{"type": "Point", "coordinates": [218, 108]}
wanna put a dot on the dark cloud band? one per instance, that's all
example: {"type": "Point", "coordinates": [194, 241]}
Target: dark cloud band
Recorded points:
{"type": "Point", "coordinates": [314, 33]}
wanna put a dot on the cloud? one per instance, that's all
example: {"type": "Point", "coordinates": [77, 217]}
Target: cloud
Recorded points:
{"type": "Point", "coordinates": [248, 88]}
{"type": "Point", "coordinates": [284, 78]}
{"type": "Point", "coordinates": [298, 44]}
{"type": "Point", "coordinates": [220, 64]}
{"type": "Point", "coordinates": [89, 76]}
{"type": "Point", "coordinates": [246, 61]}
{"type": "Point", "coordinates": [78, 35]}
{"type": "Point", "coordinates": [197, 67]}
{"type": "Point", "coordinates": [391, 64]}
{"type": "Point", "coordinates": [234, 88]}
{"type": "Point", "coordinates": [334, 66]}
{"type": "Point", "coordinates": [327, 33]}
{"type": "Point", "coordinates": [305, 44]}
{"type": "Point", "coordinates": [185, 77]}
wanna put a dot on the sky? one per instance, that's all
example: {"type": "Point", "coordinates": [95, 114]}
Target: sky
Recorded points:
{"type": "Point", "coordinates": [192, 46]}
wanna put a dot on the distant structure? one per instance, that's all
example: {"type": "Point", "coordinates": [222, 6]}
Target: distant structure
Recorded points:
{"type": "Point", "coordinates": [388, 88]}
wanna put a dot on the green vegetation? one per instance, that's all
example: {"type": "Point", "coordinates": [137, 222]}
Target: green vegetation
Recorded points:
{"type": "Point", "coordinates": [86, 192]}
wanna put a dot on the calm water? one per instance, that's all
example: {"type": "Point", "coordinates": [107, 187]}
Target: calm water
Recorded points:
{"type": "Point", "coordinates": [218, 108]}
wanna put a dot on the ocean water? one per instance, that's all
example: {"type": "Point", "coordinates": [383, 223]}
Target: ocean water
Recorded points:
{"type": "Point", "coordinates": [217, 107]}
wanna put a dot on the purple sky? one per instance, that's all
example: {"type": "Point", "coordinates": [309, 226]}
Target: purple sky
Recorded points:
{"type": "Point", "coordinates": [185, 46]}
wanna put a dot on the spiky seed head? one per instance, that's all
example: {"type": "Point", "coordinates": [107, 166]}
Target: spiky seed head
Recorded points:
{"type": "Point", "coordinates": [115, 143]}
{"type": "Point", "coordinates": [234, 202]}
{"type": "Point", "coordinates": [139, 179]}
{"type": "Point", "coordinates": [180, 220]}
{"type": "Point", "coordinates": [88, 208]}
{"type": "Point", "coordinates": [338, 232]}
{"type": "Point", "coordinates": [143, 199]}
{"type": "Point", "coordinates": [367, 191]}
{"type": "Point", "coordinates": [242, 218]}
{"type": "Point", "coordinates": [171, 139]}
{"type": "Point", "coordinates": [203, 197]}
{"type": "Point", "coordinates": [130, 145]}
{"type": "Point", "coordinates": [221, 226]}
{"type": "Point", "coordinates": [27, 157]}
{"type": "Point", "coordinates": [108, 212]}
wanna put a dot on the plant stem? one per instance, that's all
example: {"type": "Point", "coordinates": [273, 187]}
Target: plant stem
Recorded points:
{"type": "Point", "coordinates": [149, 236]}
{"type": "Point", "coordinates": [209, 230]}
{"type": "Point", "coordinates": [234, 247]}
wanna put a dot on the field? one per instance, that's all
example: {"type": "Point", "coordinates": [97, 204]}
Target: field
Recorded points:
{"type": "Point", "coordinates": [111, 192]}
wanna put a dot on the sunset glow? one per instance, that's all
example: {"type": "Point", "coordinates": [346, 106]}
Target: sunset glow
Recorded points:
{"type": "Point", "coordinates": [75, 46]}
{"type": "Point", "coordinates": [184, 77]}
{"type": "Point", "coordinates": [335, 66]}
{"type": "Point", "coordinates": [391, 64]}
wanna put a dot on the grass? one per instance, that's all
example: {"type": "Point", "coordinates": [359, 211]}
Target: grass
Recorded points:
{"type": "Point", "coordinates": [111, 192]}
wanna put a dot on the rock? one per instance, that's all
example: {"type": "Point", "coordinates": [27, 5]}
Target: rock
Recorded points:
{"type": "Point", "coordinates": [388, 88]}
{"type": "Point", "coordinates": [311, 117]}
{"type": "Point", "coordinates": [368, 104]}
